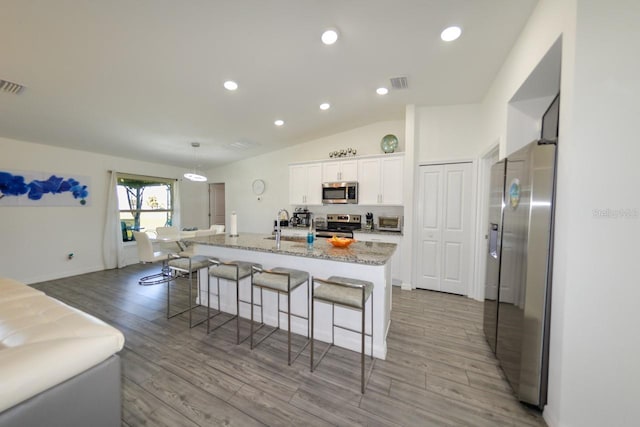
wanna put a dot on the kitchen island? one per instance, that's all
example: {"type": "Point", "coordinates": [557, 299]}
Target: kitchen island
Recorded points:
{"type": "Point", "coordinates": [361, 260]}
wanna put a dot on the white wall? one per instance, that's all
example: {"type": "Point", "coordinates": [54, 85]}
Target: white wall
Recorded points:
{"type": "Point", "coordinates": [451, 132]}
{"type": "Point", "coordinates": [549, 20]}
{"type": "Point", "coordinates": [594, 347]}
{"type": "Point", "coordinates": [194, 198]}
{"type": "Point", "coordinates": [36, 240]}
{"type": "Point", "coordinates": [273, 168]}
{"type": "Point", "coordinates": [596, 373]}
{"type": "Point", "coordinates": [524, 120]}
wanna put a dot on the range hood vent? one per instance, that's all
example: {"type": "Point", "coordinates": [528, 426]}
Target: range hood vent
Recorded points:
{"type": "Point", "coordinates": [399, 83]}
{"type": "Point", "coordinates": [10, 87]}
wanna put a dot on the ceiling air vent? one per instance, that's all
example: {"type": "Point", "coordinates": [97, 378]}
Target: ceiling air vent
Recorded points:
{"type": "Point", "coordinates": [399, 83]}
{"type": "Point", "coordinates": [241, 145]}
{"type": "Point", "coordinates": [10, 87]}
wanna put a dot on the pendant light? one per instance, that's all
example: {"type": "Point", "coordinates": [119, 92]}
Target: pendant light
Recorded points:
{"type": "Point", "coordinates": [195, 176]}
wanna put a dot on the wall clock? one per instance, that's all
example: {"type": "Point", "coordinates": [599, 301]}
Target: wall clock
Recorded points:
{"type": "Point", "coordinates": [258, 187]}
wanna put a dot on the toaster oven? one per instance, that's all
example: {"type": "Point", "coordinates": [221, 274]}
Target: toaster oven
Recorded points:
{"type": "Point", "coordinates": [390, 223]}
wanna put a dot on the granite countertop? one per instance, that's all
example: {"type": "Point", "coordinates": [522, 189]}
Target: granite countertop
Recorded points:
{"type": "Point", "coordinates": [372, 253]}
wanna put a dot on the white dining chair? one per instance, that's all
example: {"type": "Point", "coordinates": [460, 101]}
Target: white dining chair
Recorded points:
{"type": "Point", "coordinates": [217, 228]}
{"type": "Point", "coordinates": [168, 233]}
{"type": "Point", "coordinates": [146, 254]}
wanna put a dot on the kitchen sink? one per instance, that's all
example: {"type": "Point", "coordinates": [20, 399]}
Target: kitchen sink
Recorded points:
{"type": "Point", "coordinates": [288, 238]}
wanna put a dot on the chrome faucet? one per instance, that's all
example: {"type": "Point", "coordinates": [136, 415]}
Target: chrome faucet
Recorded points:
{"type": "Point", "coordinates": [278, 229]}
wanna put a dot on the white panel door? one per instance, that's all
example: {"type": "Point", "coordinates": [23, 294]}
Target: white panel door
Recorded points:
{"type": "Point", "coordinates": [429, 252]}
{"type": "Point", "coordinates": [216, 204]}
{"type": "Point", "coordinates": [456, 230]}
{"type": "Point", "coordinates": [445, 235]}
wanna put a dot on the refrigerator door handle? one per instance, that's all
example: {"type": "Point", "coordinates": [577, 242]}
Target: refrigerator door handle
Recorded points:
{"type": "Point", "coordinates": [493, 240]}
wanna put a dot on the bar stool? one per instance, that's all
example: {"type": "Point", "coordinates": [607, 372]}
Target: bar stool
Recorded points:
{"type": "Point", "coordinates": [187, 265]}
{"type": "Point", "coordinates": [346, 292]}
{"type": "Point", "coordinates": [233, 271]}
{"type": "Point", "coordinates": [282, 281]}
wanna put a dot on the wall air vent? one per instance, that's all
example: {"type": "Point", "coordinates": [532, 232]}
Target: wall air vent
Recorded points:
{"type": "Point", "coordinates": [399, 83]}
{"type": "Point", "coordinates": [6, 86]}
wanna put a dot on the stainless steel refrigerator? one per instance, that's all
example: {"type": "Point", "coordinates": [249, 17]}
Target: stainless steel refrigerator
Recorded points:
{"type": "Point", "coordinates": [519, 265]}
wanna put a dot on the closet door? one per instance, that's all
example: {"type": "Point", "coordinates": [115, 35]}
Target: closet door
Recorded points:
{"type": "Point", "coordinates": [444, 249]}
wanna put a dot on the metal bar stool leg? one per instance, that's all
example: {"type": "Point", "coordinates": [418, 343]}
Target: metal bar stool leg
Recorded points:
{"type": "Point", "coordinates": [282, 281]}
{"type": "Point", "coordinates": [349, 293]}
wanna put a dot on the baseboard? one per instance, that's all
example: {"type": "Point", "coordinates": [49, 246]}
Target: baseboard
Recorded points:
{"type": "Point", "coordinates": [59, 275]}
{"type": "Point", "coordinates": [406, 286]}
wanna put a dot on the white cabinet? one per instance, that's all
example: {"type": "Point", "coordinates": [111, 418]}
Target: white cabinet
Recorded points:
{"type": "Point", "coordinates": [380, 181]}
{"type": "Point", "coordinates": [396, 259]}
{"type": "Point", "coordinates": [340, 170]}
{"type": "Point", "coordinates": [305, 184]}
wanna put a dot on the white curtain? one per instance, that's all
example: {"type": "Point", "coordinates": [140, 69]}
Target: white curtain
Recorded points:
{"type": "Point", "coordinates": [112, 251]}
{"type": "Point", "coordinates": [175, 219]}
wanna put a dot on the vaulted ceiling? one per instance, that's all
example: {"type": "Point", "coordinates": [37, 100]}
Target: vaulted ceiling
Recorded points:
{"type": "Point", "coordinates": [144, 79]}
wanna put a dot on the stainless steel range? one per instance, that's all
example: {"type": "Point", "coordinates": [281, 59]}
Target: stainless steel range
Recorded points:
{"type": "Point", "coordinates": [340, 225]}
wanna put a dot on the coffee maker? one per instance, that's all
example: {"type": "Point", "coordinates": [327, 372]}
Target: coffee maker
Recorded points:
{"type": "Point", "coordinates": [369, 224]}
{"type": "Point", "coordinates": [301, 217]}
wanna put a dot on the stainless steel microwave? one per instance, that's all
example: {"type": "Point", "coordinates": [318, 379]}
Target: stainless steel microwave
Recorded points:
{"type": "Point", "coordinates": [339, 193]}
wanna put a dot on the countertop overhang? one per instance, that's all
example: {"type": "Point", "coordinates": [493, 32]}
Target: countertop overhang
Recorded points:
{"type": "Point", "coordinates": [370, 253]}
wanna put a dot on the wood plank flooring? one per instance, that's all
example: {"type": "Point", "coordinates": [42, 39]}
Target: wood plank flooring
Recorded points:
{"type": "Point", "coordinates": [439, 370]}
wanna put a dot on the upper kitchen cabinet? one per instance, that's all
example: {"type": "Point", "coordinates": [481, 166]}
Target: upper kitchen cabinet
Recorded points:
{"type": "Point", "coordinates": [340, 170]}
{"type": "Point", "coordinates": [380, 180]}
{"type": "Point", "coordinates": [305, 184]}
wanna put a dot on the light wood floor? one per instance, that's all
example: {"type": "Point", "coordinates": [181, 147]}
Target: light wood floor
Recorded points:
{"type": "Point", "coordinates": [439, 370]}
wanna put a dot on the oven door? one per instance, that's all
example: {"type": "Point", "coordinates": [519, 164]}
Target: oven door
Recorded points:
{"type": "Point", "coordinates": [330, 233]}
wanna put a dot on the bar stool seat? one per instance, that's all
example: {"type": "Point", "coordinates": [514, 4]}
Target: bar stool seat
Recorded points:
{"type": "Point", "coordinates": [228, 270]}
{"type": "Point", "coordinates": [187, 265]}
{"type": "Point", "coordinates": [233, 271]}
{"type": "Point", "coordinates": [193, 264]}
{"type": "Point", "coordinates": [281, 280]}
{"type": "Point", "coordinates": [350, 293]}
{"type": "Point", "coordinates": [351, 297]}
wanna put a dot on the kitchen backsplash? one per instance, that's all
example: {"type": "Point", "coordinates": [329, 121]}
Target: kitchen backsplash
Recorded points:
{"type": "Point", "coordinates": [352, 209]}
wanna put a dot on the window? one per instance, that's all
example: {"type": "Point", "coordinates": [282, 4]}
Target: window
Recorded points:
{"type": "Point", "coordinates": [145, 203]}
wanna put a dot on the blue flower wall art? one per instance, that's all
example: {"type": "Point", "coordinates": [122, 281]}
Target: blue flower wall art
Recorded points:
{"type": "Point", "coordinates": [32, 188]}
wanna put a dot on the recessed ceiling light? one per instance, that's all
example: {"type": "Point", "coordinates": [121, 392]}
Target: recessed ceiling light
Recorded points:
{"type": "Point", "coordinates": [278, 122]}
{"type": "Point", "coordinates": [230, 85]}
{"type": "Point", "coordinates": [325, 106]}
{"type": "Point", "coordinates": [382, 91]}
{"type": "Point", "coordinates": [330, 36]}
{"type": "Point", "coordinates": [450, 34]}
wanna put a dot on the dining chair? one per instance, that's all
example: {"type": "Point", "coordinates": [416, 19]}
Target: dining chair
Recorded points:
{"type": "Point", "coordinates": [171, 232]}
{"type": "Point", "coordinates": [217, 228]}
{"type": "Point", "coordinates": [146, 254]}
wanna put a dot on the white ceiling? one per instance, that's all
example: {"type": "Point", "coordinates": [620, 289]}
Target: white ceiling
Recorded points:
{"type": "Point", "coordinates": [143, 78]}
